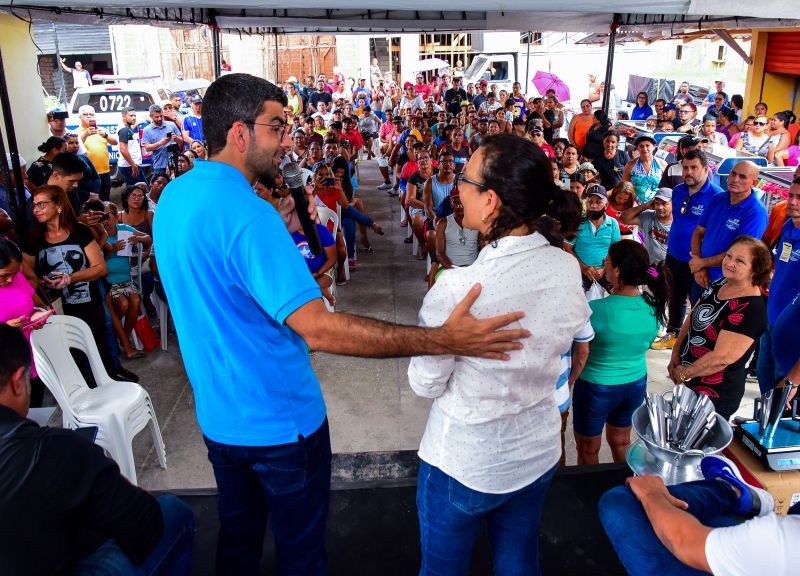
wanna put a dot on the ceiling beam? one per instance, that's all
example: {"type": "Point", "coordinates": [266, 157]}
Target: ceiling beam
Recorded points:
{"type": "Point", "coordinates": [725, 36]}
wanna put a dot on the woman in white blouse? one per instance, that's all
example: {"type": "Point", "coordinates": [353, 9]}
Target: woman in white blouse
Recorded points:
{"type": "Point", "coordinates": [491, 445]}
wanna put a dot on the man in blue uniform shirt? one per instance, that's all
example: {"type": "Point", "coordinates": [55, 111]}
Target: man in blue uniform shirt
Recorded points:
{"type": "Point", "coordinates": [735, 213]}
{"type": "Point", "coordinates": [783, 288]}
{"type": "Point", "coordinates": [247, 310]}
{"type": "Point", "coordinates": [689, 202]}
{"type": "Point", "coordinates": [193, 123]}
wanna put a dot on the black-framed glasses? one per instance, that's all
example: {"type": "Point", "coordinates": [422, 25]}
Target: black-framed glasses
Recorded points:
{"type": "Point", "coordinates": [685, 206]}
{"type": "Point", "coordinates": [460, 178]}
{"type": "Point", "coordinates": [41, 204]}
{"type": "Point", "coordinates": [759, 123]}
{"type": "Point", "coordinates": [274, 125]}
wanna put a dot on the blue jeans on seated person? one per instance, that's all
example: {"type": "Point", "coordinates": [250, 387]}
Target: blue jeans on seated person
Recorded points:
{"type": "Point", "coordinates": [632, 535]}
{"type": "Point", "coordinates": [450, 517]}
{"type": "Point", "coordinates": [172, 556]}
{"type": "Point", "coordinates": [288, 484]}
{"type": "Point", "coordinates": [594, 405]}
{"type": "Point", "coordinates": [350, 216]}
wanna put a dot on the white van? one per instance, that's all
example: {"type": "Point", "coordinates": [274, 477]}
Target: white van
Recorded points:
{"type": "Point", "coordinates": [108, 101]}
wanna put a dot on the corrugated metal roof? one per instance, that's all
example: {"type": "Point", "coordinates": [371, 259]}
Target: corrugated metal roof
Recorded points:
{"type": "Point", "coordinates": [72, 39]}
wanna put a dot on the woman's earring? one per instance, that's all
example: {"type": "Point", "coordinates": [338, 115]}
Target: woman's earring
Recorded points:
{"type": "Point", "coordinates": [59, 210]}
{"type": "Point", "coordinates": [484, 218]}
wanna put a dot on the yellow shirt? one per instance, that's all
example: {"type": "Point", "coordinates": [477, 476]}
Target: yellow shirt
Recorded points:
{"type": "Point", "coordinates": [97, 151]}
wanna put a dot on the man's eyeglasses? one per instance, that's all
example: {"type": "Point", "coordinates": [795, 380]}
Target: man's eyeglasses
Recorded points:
{"type": "Point", "coordinates": [460, 178]}
{"type": "Point", "coordinates": [278, 127]}
{"type": "Point", "coordinates": [685, 206]}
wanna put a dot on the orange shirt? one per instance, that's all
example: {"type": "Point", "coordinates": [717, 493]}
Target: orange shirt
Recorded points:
{"type": "Point", "coordinates": [582, 126]}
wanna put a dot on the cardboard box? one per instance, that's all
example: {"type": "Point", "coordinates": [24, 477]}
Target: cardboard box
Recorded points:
{"type": "Point", "coordinates": [784, 486]}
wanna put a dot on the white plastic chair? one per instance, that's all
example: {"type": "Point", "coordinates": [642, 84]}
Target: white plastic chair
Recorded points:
{"type": "Point", "coordinates": [120, 410]}
{"type": "Point", "coordinates": [326, 215]}
{"type": "Point", "coordinates": [162, 310]}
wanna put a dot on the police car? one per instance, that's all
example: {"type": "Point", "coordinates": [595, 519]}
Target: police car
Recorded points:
{"type": "Point", "coordinates": [109, 96]}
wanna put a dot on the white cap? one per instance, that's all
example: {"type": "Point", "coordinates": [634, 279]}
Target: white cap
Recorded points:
{"type": "Point", "coordinates": [21, 159]}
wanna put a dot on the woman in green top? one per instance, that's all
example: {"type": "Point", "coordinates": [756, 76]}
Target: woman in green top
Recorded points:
{"type": "Point", "coordinates": [613, 383]}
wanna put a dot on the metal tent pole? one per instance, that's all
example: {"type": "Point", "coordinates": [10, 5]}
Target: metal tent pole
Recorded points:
{"type": "Point", "coordinates": [527, 65]}
{"type": "Point", "coordinates": [275, 31]}
{"type": "Point", "coordinates": [62, 88]}
{"type": "Point", "coordinates": [16, 201]}
{"type": "Point", "coordinates": [612, 40]}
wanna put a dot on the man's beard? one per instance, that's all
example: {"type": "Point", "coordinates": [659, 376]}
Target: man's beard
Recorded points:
{"type": "Point", "coordinates": [261, 164]}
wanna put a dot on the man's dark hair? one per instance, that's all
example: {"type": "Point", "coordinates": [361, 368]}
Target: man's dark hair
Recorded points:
{"type": "Point", "coordinates": [231, 98]}
{"type": "Point", "coordinates": [696, 155]}
{"type": "Point", "coordinates": [14, 352]}
{"type": "Point", "coordinates": [66, 164]}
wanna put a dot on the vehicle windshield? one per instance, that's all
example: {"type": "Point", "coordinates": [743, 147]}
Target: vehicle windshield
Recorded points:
{"type": "Point", "coordinates": [114, 101]}
{"type": "Point", "coordinates": [475, 67]}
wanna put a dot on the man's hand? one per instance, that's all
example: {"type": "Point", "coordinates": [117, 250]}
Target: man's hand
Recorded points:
{"type": "Point", "coordinates": [702, 278]}
{"type": "Point", "coordinates": [648, 487]}
{"type": "Point", "coordinates": [135, 170]}
{"type": "Point", "coordinates": [466, 335]}
{"type": "Point", "coordinates": [696, 264]}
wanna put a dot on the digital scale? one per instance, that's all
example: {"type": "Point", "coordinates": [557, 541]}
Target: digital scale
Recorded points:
{"type": "Point", "coordinates": [779, 450]}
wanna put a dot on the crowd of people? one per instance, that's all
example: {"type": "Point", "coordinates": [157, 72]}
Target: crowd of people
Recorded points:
{"type": "Point", "coordinates": [588, 255]}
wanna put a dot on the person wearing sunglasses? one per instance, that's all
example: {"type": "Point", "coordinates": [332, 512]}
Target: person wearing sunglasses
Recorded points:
{"type": "Point", "coordinates": [491, 445]}
{"type": "Point", "coordinates": [689, 201]}
{"type": "Point", "coordinates": [757, 141]}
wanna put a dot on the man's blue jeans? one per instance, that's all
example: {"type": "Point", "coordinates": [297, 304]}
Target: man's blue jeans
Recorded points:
{"type": "Point", "coordinates": [172, 556]}
{"type": "Point", "coordinates": [288, 484]}
{"type": "Point", "coordinates": [130, 179]}
{"type": "Point", "coordinates": [450, 516]}
{"type": "Point", "coordinates": [632, 535]}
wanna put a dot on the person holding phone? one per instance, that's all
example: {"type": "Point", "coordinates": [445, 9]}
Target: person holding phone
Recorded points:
{"type": "Point", "coordinates": [157, 137]}
{"type": "Point", "coordinates": [18, 300]}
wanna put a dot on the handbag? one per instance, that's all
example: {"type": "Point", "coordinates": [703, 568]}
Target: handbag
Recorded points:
{"type": "Point", "coordinates": [145, 333]}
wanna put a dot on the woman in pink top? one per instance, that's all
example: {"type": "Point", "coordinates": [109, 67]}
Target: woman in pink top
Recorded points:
{"type": "Point", "coordinates": [17, 300]}
{"type": "Point", "coordinates": [789, 156]}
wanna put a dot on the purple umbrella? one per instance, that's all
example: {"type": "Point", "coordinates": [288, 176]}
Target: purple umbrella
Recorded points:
{"type": "Point", "coordinates": [544, 81]}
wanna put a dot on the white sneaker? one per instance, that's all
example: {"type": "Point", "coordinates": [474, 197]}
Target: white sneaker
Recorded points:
{"type": "Point", "coordinates": [385, 186]}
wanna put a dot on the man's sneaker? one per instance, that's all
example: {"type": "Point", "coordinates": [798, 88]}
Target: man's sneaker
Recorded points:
{"type": "Point", "coordinates": [385, 186]}
{"type": "Point", "coordinates": [752, 501]}
{"type": "Point", "coordinates": [665, 342]}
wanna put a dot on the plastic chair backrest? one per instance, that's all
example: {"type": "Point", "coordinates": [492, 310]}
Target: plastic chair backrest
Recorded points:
{"type": "Point", "coordinates": [326, 215]}
{"type": "Point", "coordinates": [51, 349]}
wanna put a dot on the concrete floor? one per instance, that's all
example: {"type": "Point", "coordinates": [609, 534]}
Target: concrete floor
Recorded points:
{"type": "Point", "coordinates": [371, 408]}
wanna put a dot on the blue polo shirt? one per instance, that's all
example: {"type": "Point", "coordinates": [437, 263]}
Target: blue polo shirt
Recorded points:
{"type": "Point", "coordinates": [153, 134]}
{"type": "Point", "coordinates": [194, 126]}
{"type": "Point", "coordinates": [724, 221]}
{"type": "Point", "coordinates": [232, 280]}
{"type": "Point", "coordinates": [786, 280]}
{"type": "Point", "coordinates": [786, 336]}
{"type": "Point", "coordinates": [591, 245]}
{"type": "Point", "coordinates": [679, 243]}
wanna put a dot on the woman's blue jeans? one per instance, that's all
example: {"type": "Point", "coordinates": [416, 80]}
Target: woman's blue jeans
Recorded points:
{"type": "Point", "coordinates": [351, 216]}
{"type": "Point", "coordinates": [450, 516]}
{"type": "Point", "coordinates": [632, 535]}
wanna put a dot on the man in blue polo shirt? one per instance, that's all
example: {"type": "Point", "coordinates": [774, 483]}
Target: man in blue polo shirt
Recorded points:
{"type": "Point", "coordinates": [689, 202]}
{"type": "Point", "coordinates": [786, 346]}
{"type": "Point", "coordinates": [157, 136]}
{"type": "Point", "coordinates": [247, 310]}
{"type": "Point", "coordinates": [784, 286]}
{"type": "Point", "coordinates": [595, 236]}
{"type": "Point", "coordinates": [735, 213]}
{"type": "Point", "coordinates": [193, 123]}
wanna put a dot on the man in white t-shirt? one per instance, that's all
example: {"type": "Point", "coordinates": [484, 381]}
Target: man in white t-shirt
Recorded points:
{"type": "Point", "coordinates": [657, 529]}
{"type": "Point", "coordinates": [80, 76]}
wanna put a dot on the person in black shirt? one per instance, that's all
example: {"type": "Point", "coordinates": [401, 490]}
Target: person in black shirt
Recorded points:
{"type": "Point", "coordinates": [319, 96]}
{"type": "Point", "coordinates": [66, 508]}
{"type": "Point", "coordinates": [610, 162]}
{"type": "Point", "coordinates": [40, 170]}
{"type": "Point", "coordinates": [454, 96]}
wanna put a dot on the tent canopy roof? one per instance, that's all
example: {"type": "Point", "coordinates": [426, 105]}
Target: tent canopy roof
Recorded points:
{"type": "Point", "coordinates": [397, 16]}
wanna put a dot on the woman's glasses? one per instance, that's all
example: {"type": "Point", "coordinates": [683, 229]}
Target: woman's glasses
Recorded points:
{"type": "Point", "coordinates": [759, 123]}
{"type": "Point", "coordinates": [460, 178]}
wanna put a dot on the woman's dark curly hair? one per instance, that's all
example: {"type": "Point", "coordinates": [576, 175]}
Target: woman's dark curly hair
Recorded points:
{"type": "Point", "coordinates": [522, 176]}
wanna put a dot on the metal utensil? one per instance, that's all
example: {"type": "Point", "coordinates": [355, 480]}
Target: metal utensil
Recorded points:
{"type": "Point", "coordinates": [766, 408]}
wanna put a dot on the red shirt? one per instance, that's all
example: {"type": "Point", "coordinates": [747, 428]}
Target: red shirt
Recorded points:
{"type": "Point", "coordinates": [547, 149]}
{"type": "Point", "coordinates": [616, 216]}
{"type": "Point", "coordinates": [355, 139]}
{"type": "Point", "coordinates": [422, 90]}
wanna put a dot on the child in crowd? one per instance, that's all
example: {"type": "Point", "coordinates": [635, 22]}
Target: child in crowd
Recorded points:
{"type": "Point", "coordinates": [123, 293]}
